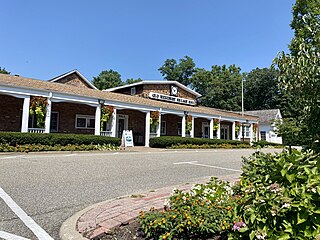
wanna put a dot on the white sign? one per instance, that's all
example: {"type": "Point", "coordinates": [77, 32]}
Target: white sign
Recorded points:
{"type": "Point", "coordinates": [168, 98]}
{"type": "Point", "coordinates": [127, 138]}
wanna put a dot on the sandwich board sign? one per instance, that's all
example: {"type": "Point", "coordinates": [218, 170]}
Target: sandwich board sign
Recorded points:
{"type": "Point", "coordinates": [127, 138]}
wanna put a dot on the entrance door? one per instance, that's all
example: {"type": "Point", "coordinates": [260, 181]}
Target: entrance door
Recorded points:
{"type": "Point", "coordinates": [205, 130]}
{"type": "Point", "coordinates": [122, 124]}
{"type": "Point", "coordinates": [224, 132]}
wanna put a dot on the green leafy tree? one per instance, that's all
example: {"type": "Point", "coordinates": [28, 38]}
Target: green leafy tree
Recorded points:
{"type": "Point", "coordinates": [4, 71]}
{"type": "Point", "coordinates": [289, 130]}
{"type": "Point", "coordinates": [132, 80]}
{"type": "Point", "coordinates": [261, 89]}
{"type": "Point", "coordinates": [180, 72]}
{"type": "Point", "coordinates": [107, 79]}
{"type": "Point", "coordinates": [220, 87]}
{"type": "Point", "coordinates": [300, 69]}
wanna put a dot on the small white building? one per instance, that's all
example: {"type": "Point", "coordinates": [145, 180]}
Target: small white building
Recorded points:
{"type": "Point", "coordinates": [267, 127]}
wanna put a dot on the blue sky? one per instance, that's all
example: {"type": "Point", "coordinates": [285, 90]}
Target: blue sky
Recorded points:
{"type": "Point", "coordinates": [43, 39]}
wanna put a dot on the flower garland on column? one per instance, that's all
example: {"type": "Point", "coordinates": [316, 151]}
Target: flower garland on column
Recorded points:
{"type": "Point", "coordinates": [154, 118]}
{"type": "Point", "coordinates": [38, 106]}
{"type": "Point", "coordinates": [189, 123]}
{"type": "Point", "coordinates": [106, 113]}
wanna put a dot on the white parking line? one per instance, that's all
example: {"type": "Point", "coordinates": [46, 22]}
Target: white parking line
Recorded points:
{"type": "Point", "coordinates": [9, 236]}
{"type": "Point", "coordinates": [205, 165]}
{"type": "Point", "coordinates": [28, 221]}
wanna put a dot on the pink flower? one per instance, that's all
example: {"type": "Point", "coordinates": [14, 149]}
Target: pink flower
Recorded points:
{"type": "Point", "coordinates": [238, 225]}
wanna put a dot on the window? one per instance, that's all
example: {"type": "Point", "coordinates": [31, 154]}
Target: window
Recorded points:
{"type": "Point", "coordinates": [163, 130]}
{"type": "Point", "coordinates": [85, 121]}
{"type": "Point", "coordinates": [246, 131]}
{"type": "Point", "coordinates": [179, 129]}
{"type": "Point", "coordinates": [133, 91]}
{"type": "Point", "coordinates": [54, 122]}
{"type": "Point", "coordinates": [263, 135]}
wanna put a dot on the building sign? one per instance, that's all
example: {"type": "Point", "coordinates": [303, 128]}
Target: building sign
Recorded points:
{"type": "Point", "coordinates": [159, 96]}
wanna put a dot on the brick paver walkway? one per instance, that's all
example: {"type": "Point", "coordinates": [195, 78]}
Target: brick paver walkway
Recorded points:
{"type": "Point", "coordinates": [116, 212]}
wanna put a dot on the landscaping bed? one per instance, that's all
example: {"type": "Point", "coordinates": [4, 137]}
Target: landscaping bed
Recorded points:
{"type": "Point", "coordinates": [34, 142]}
{"type": "Point", "coordinates": [277, 197]}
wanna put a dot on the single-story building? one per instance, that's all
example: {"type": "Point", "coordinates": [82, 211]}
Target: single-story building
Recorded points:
{"type": "Point", "coordinates": [74, 105]}
{"type": "Point", "coordinates": [267, 124]}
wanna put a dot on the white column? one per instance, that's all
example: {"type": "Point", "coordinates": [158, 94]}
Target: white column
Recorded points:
{"type": "Point", "coordinates": [97, 120]}
{"type": "Point", "coordinates": [159, 126]}
{"type": "Point", "coordinates": [233, 131]}
{"type": "Point", "coordinates": [218, 131]}
{"type": "Point", "coordinates": [114, 123]}
{"type": "Point", "coordinates": [211, 128]}
{"type": "Point", "coordinates": [147, 132]}
{"type": "Point", "coordinates": [192, 128]}
{"type": "Point", "coordinates": [251, 132]}
{"type": "Point", "coordinates": [183, 126]}
{"type": "Point", "coordinates": [240, 133]}
{"type": "Point", "coordinates": [25, 114]}
{"type": "Point", "coordinates": [48, 116]}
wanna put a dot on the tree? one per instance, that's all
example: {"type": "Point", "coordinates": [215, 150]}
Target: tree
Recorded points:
{"type": "Point", "coordinates": [300, 69]}
{"type": "Point", "coordinates": [220, 87]}
{"type": "Point", "coordinates": [180, 72]}
{"type": "Point", "coordinates": [4, 71]}
{"type": "Point", "coordinates": [289, 130]}
{"type": "Point", "coordinates": [261, 89]}
{"type": "Point", "coordinates": [131, 81]}
{"type": "Point", "coordinates": [107, 79]}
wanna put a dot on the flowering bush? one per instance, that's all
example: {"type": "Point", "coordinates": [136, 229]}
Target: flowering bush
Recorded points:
{"type": "Point", "coordinates": [282, 194]}
{"type": "Point", "coordinates": [38, 106]}
{"type": "Point", "coordinates": [205, 211]}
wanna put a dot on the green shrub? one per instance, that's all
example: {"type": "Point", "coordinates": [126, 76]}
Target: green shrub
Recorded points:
{"type": "Point", "coordinates": [170, 141]}
{"type": "Point", "coordinates": [39, 147]}
{"type": "Point", "coordinates": [264, 143]}
{"type": "Point", "coordinates": [282, 194]}
{"type": "Point", "coordinates": [207, 146]}
{"type": "Point", "coordinates": [206, 211]}
{"type": "Point", "coordinates": [52, 139]}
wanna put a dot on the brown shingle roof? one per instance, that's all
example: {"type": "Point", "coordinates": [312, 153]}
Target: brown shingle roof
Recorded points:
{"type": "Point", "coordinates": [267, 116]}
{"type": "Point", "coordinates": [23, 82]}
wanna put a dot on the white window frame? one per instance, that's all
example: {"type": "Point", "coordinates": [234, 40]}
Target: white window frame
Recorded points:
{"type": "Point", "coordinates": [246, 131]}
{"type": "Point", "coordinates": [179, 130]}
{"type": "Point", "coordinates": [87, 117]}
{"type": "Point", "coordinates": [163, 129]}
{"type": "Point", "coordinates": [133, 91]}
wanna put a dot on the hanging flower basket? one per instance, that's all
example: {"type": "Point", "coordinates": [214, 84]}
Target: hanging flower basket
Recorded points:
{"type": "Point", "coordinates": [237, 128]}
{"type": "Point", "coordinates": [106, 113]}
{"type": "Point", "coordinates": [154, 118]}
{"type": "Point", "coordinates": [188, 123]}
{"type": "Point", "coordinates": [216, 123]}
{"type": "Point", "coordinates": [38, 107]}
{"type": "Point", "coordinates": [255, 127]}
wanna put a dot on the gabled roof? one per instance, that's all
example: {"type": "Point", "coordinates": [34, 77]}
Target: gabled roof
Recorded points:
{"type": "Point", "coordinates": [155, 82]}
{"type": "Point", "coordinates": [72, 72]}
{"type": "Point", "coordinates": [266, 116]}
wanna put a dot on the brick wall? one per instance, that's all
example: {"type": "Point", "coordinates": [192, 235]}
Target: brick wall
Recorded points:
{"type": "Point", "coordinates": [67, 116]}
{"type": "Point", "coordinates": [198, 126]}
{"type": "Point", "coordinates": [171, 124]}
{"type": "Point", "coordinates": [10, 113]}
{"type": "Point", "coordinates": [74, 80]}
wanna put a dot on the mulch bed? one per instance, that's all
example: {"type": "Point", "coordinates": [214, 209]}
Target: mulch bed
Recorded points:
{"type": "Point", "coordinates": [133, 231]}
